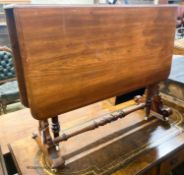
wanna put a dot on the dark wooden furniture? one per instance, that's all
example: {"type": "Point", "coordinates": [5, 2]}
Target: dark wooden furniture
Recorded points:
{"type": "Point", "coordinates": [158, 143]}
{"type": "Point", "coordinates": [82, 54]}
{"type": "Point", "coordinates": [180, 22]}
{"type": "Point", "coordinates": [3, 170]}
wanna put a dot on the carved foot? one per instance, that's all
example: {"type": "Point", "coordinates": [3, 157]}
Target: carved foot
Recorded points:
{"type": "Point", "coordinates": [153, 103]}
{"type": "Point", "coordinates": [139, 99]}
{"type": "Point", "coordinates": [166, 112]}
{"type": "Point", "coordinates": [58, 163]}
{"type": "Point", "coordinates": [160, 108]}
{"type": "Point", "coordinates": [146, 118]}
{"type": "Point", "coordinates": [53, 157]}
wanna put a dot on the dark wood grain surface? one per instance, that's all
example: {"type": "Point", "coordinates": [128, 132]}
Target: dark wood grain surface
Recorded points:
{"type": "Point", "coordinates": [12, 125]}
{"type": "Point", "coordinates": [1, 167]}
{"type": "Point", "coordinates": [128, 146]}
{"type": "Point", "coordinates": [72, 56]}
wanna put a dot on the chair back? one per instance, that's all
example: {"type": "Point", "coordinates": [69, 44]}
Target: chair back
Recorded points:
{"type": "Point", "coordinates": [7, 69]}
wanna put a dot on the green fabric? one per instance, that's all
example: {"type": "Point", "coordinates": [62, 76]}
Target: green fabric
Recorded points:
{"type": "Point", "coordinates": [9, 91]}
{"type": "Point", "coordinates": [7, 69]}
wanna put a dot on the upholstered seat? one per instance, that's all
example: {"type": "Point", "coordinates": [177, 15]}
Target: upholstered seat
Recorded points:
{"type": "Point", "coordinates": [9, 91]}
{"type": "Point", "coordinates": [7, 69]}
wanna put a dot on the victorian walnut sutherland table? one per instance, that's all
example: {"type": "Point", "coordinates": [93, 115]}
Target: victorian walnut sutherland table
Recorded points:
{"type": "Point", "coordinates": [68, 57]}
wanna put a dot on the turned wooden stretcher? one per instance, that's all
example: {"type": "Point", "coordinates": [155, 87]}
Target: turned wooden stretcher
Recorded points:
{"type": "Point", "coordinates": [67, 57]}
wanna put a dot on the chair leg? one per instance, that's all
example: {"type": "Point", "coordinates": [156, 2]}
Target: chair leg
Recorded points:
{"type": "Point", "coordinates": [4, 107]}
{"type": "Point", "coordinates": [1, 108]}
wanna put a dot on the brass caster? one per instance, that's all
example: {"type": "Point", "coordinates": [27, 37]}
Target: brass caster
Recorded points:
{"type": "Point", "coordinates": [57, 148]}
{"type": "Point", "coordinates": [54, 170]}
{"type": "Point", "coordinates": [58, 163]}
{"type": "Point", "coordinates": [138, 99]}
{"type": "Point", "coordinates": [145, 118]}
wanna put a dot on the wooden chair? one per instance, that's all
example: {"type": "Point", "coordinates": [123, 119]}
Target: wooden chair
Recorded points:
{"type": "Point", "coordinates": [9, 91]}
{"type": "Point", "coordinates": [70, 56]}
{"type": "Point", "coordinates": [179, 42]}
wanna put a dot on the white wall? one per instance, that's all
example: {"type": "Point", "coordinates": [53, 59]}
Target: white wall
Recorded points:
{"type": "Point", "coordinates": [62, 1]}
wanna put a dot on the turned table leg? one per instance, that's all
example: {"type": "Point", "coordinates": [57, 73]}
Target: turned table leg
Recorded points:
{"type": "Point", "coordinates": [150, 92]}
{"type": "Point", "coordinates": [56, 129]}
{"type": "Point", "coordinates": [154, 102]}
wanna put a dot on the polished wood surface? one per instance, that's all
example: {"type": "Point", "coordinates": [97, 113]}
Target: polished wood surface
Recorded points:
{"type": "Point", "coordinates": [12, 125]}
{"type": "Point", "coordinates": [158, 143]}
{"type": "Point", "coordinates": [71, 56]}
